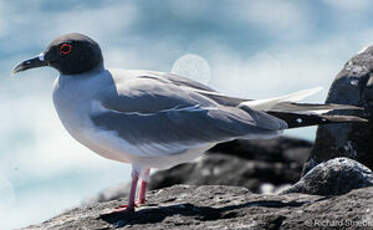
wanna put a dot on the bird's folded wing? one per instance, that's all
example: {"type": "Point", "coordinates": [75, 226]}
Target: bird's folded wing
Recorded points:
{"type": "Point", "coordinates": [162, 118]}
{"type": "Point", "coordinates": [179, 81]}
{"type": "Point", "coordinates": [188, 84]}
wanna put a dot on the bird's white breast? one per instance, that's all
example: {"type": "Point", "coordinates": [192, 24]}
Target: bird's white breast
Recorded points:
{"type": "Point", "coordinates": [73, 100]}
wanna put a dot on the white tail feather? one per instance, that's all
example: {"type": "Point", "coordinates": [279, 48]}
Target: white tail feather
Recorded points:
{"type": "Point", "coordinates": [267, 104]}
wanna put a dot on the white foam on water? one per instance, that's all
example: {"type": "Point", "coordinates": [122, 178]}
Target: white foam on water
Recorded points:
{"type": "Point", "coordinates": [7, 196]}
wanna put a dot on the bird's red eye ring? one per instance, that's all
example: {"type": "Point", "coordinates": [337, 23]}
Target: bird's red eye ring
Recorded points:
{"type": "Point", "coordinates": [66, 48]}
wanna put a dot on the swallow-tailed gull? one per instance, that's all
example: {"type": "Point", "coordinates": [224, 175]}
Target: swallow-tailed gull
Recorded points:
{"type": "Point", "coordinates": [156, 120]}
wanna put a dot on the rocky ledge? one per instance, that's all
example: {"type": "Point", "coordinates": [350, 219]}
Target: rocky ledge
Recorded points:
{"type": "Point", "coordinates": [224, 207]}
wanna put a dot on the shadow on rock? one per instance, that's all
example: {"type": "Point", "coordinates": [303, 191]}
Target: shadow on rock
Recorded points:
{"type": "Point", "coordinates": [200, 213]}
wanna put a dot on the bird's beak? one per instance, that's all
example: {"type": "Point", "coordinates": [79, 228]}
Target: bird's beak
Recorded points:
{"type": "Point", "coordinates": [34, 62]}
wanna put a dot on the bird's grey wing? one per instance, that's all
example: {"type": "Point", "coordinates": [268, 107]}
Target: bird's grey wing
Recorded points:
{"type": "Point", "coordinates": [179, 80]}
{"type": "Point", "coordinates": [161, 118]}
{"type": "Point", "coordinates": [196, 87]}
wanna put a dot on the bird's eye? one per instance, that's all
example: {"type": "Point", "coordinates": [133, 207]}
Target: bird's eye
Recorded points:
{"type": "Point", "coordinates": [66, 48]}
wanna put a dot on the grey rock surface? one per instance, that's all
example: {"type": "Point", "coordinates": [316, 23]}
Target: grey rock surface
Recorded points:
{"type": "Point", "coordinates": [334, 177]}
{"type": "Point", "coordinates": [224, 207]}
{"type": "Point", "coordinates": [353, 85]}
{"type": "Point", "coordinates": [262, 166]}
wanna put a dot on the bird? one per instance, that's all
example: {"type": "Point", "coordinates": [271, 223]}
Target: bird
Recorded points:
{"type": "Point", "coordinates": [155, 120]}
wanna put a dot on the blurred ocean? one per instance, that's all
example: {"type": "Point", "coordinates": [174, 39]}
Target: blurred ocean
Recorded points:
{"type": "Point", "coordinates": [255, 49]}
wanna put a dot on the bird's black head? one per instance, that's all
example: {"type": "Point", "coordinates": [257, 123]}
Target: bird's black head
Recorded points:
{"type": "Point", "coordinates": [70, 54]}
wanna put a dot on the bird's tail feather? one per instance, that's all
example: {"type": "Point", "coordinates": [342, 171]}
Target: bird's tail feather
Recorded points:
{"type": "Point", "coordinates": [268, 104]}
{"type": "Point", "coordinates": [303, 114]}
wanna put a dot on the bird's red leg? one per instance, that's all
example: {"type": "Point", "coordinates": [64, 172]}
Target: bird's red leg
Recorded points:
{"type": "Point", "coordinates": [141, 200]}
{"type": "Point", "coordinates": [131, 200]}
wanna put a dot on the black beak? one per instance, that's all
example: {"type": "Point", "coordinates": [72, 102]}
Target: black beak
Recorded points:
{"type": "Point", "coordinates": [37, 61]}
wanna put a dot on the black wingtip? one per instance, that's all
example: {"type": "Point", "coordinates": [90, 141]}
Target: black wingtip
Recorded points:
{"type": "Point", "coordinates": [296, 120]}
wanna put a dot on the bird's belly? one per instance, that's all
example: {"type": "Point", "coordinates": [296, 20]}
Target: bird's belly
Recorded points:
{"type": "Point", "coordinates": [105, 143]}
{"type": "Point", "coordinates": [167, 161]}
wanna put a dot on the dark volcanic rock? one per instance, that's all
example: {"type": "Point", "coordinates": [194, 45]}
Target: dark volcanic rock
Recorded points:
{"type": "Point", "coordinates": [251, 164]}
{"type": "Point", "coordinates": [334, 177]}
{"type": "Point", "coordinates": [280, 149]}
{"type": "Point", "coordinates": [220, 169]}
{"type": "Point", "coordinates": [353, 85]}
{"type": "Point", "coordinates": [224, 207]}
